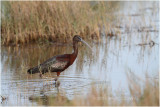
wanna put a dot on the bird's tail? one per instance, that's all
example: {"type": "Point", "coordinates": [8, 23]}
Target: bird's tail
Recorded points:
{"type": "Point", "coordinates": [33, 70]}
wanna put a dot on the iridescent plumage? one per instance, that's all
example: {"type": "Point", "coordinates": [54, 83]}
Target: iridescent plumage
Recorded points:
{"type": "Point", "coordinates": [60, 62]}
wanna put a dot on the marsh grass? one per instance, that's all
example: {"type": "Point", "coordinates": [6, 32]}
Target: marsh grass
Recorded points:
{"type": "Point", "coordinates": [26, 22]}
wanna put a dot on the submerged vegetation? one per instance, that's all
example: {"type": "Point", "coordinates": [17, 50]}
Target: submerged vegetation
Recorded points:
{"type": "Point", "coordinates": [146, 96]}
{"type": "Point", "coordinates": [25, 22]}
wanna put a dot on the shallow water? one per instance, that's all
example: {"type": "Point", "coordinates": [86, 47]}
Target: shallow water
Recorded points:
{"type": "Point", "coordinates": [136, 25]}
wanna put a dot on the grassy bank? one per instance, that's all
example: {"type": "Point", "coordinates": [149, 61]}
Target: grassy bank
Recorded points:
{"type": "Point", "coordinates": [26, 22]}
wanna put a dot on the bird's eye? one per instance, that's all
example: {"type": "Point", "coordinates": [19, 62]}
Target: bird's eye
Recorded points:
{"type": "Point", "coordinates": [79, 37]}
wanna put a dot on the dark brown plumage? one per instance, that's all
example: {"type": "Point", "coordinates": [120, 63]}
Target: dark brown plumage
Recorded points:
{"type": "Point", "coordinates": [60, 62]}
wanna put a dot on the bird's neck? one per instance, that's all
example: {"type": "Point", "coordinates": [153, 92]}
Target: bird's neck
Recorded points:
{"type": "Point", "coordinates": [75, 52]}
{"type": "Point", "coordinates": [75, 48]}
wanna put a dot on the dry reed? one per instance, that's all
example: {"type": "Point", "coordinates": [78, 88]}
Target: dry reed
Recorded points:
{"type": "Point", "coordinates": [30, 21]}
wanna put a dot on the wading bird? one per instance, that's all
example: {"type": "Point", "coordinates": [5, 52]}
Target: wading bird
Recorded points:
{"type": "Point", "coordinates": [60, 62]}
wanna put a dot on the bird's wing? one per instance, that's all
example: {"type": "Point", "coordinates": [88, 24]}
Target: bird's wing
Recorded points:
{"type": "Point", "coordinates": [59, 64]}
{"type": "Point", "coordinates": [54, 65]}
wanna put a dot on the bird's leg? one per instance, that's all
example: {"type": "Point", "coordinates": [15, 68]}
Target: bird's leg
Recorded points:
{"type": "Point", "coordinates": [58, 73]}
{"type": "Point", "coordinates": [40, 75]}
{"type": "Point", "coordinates": [56, 79]}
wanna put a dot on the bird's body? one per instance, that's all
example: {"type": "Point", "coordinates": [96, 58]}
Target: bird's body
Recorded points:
{"type": "Point", "coordinates": [55, 64]}
{"type": "Point", "coordinates": [58, 63]}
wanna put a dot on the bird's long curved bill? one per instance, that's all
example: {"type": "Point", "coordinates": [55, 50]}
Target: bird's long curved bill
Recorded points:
{"type": "Point", "coordinates": [86, 43]}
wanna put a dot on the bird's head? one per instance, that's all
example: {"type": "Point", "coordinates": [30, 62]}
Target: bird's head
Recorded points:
{"type": "Point", "coordinates": [77, 38]}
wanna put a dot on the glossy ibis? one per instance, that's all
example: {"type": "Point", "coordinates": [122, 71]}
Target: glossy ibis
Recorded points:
{"type": "Point", "coordinates": [60, 62]}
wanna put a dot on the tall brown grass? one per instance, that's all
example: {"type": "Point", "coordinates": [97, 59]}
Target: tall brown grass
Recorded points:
{"type": "Point", "coordinates": [30, 21]}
